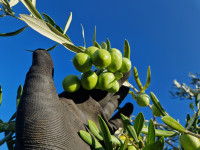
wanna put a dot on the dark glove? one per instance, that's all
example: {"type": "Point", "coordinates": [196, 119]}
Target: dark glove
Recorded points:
{"type": "Point", "coordinates": [46, 120]}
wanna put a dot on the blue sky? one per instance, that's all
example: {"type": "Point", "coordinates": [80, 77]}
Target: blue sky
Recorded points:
{"type": "Point", "coordinates": [162, 34]}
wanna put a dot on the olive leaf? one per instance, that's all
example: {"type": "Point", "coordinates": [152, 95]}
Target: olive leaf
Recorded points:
{"type": "Point", "coordinates": [139, 123]}
{"type": "Point", "coordinates": [94, 36]}
{"type": "Point", "coordinates": [158, 145]}
{"type": "Point", "coordinates": [125, 144]}
{"type": "Point", "coordinates": [151, 137]}
{"type": "Point", "coordinates": [135, 73]}
{"type": "Point", "coordinates": [106, 134]}
{"type": "Point", "coordinates": [171, 122]}
{"type": "Point", "coordinates": [83, 34]}
{"type": "Point", "coordinates": [94, 129]}
{"type": "Point", "coordinates": [13, 2]}
{"type": "Point", "coordinates": [129, 128]}
{"type": "Point", "coordinates": [13, 33]}
{"type": "Point", "coordinates": [108, 44]}
{"type": "Point", "coordinates": [89, 139]}
{"type": "Point", "coordinates": [148, 79]}
{"type": "Point", "coordinates": [197, 98]}
{"type": "Point", "coordinates": [157, 104]}
{"type": "Point", "coordinates": [19, 94]}
{"type": "Point", "coordinates": [59, 28]}
{"type": "Point", "coordinates": [49, 19]}
{"type": "Point", "coordinates": [191, 121]}
{"type": "Point", "coordinates": [159, 132]}
{"type": "Point", "coordinates": [6, 138]}
{"type": "Point", "coordinates": [97, 45]}
{"type": "Point", "coordinates": [68, 23]}
{"type": "Point", "coordinates": [31, 8]}
{"type": "Point", "coordinates": [127, 51]}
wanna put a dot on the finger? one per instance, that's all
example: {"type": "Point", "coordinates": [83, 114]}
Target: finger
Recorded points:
{"type": "Point", "coordinates": [109, 96]}
{"type": "Point", "coordinates": [115, 101]}
{"type": "Point", "coordinates": [115, 121]}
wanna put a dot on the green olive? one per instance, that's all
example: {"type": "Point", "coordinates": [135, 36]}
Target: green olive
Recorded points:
{"type": "Point", "coordinates": [126, 65]}
{"type": "Point", "coordinates": [82, 62]}
{"type": "Point", "coordinates": [114, 88]}
{"type": "Point", "coordinates": [189, 142]}
{"type": "Point", "coordinates": [116, 62]}
{"type": "Point", "coordinates": [143, 99]}
{"type": "Point", "coordinates": [89, 80]}
{"type": "Point", "coordinates": [71, 83]}
{"type": "Point", "coordinates": [90, 50]}
{"type": "Point", "coordinates": [155, 111]}
{"type": "Point", "coordinates": [115, 50]}
{"type": "Point", "coordinates": [106, 80]}
{"type": "Point", "coordinates": [101, 58]}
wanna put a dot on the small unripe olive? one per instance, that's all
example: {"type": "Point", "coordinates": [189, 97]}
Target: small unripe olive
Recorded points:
{"type": "Point", "coordinates": [82, 62]}
{"type": "Point", "coordinates": [114, 88]}
{"type": "Point", "coordinates": [71, 83]}
{"type": "Point", "coordinates": [116, 62]}
{"type": "Point", "coordinates": [115, 50]}
{"type": "Point", "coordinates": [90, 50]}
{"type": "Point", "coordinates": [89, 80]}
{"type": "Point", "coordinates": [189, 142]}
{"type": "Point", "coordinates": [105, 80]}
{"type": "Point", "coordinates": [143, 99]}
{"type": "Point", "coordinates": [126, 65]}
{"type": "Point", "coordinates": [101, 58]}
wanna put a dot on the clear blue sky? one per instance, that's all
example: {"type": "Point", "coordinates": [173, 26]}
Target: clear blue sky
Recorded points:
{"type": "Point", "coordinates": [162, 34]}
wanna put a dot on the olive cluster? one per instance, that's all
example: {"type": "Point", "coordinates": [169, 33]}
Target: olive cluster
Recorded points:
{"type": "Point", "coordinates": [109, 64]}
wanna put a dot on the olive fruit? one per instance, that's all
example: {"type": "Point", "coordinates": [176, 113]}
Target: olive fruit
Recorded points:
{"type": "Point", "coordinates": [126, 65]}
{"type": "Point", "coordinates": [115, 50]}
{"type": "Point", "coordinates": [82, 62]}
{"type": "Point", "coordinates": [90, 50]}
{"type": "Point", "coordinates": [155, 111]}
{"type": "Point", "coordinates": [89, 80]}
{"type": "Point", "coordinates": [114, 88]}
{"type": "Point", "coordinates": [106, 80]}
{"type": "Point", "coordinates": [101, 58]}
{"type": "Point", "coordinates": [131, 147]}
{"type": "Point", "coordinates": [189, 142]}
{"type": "Point", "coordinates": [71, 83]}
{"type": "Point", "coordinates": [143, 99]}
{"type": "Point", "coordinates": [116, 62]}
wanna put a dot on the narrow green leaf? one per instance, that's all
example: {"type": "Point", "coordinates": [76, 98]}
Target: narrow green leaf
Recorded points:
{"type": "Point", "coordinates": [106, 134]}
{"type": "Point", "coordinates": [19, 94]}
{"type": "Point", "coordinates": [129, 128]}
{"type": "Point", "coordinates": [168, 120]}
{"type": "Point", "coordinates": [0, 95]}
{"type": "Point", "coordinates": [103, 45]}
{"type": "Point", "coordinates": [59, 29]}
{"type": "Point", "coordinates": [13, 33]}
{"type": "Point", "coordinates": [13, 2]}
{"type": "Point", "coordinates": [49, 19]}
{"type": "Point", "coordinates": [158, 145]}
{"type": "Point", "coordinates": [73, 48]}
{"type": "Point", "coordinates": [116, 140]}
{"type": "Point", "coordinates": [90, 140]}
{"type": "Point", "coordinates": [31, 8]}
{"type": "Point", "coordinates": [94, 129]}
{"type": "Point", "coordinates": [51, 48]}
{"type": "Point", "coordinates": [151, 138]}
{"type": "Point", "coordinates": [13, 116]}
{"type": "Point", "coordinates": [139, 123]}
{"type": "Point", "coordinates": [33, 2]}
{"type": "Point", "coordinates": [3, 127]}
{"type": "Point", "coordinates": [159, 132]}
{"type": "Point", "coordinates": [83, 34]}
{"type": "Point", "coordinates": [197, 98]}
{"type": "Point", "coordinates": [191, 121]}
{"type": "Point", "coordinates": [191, 106]}
{"type": "Point", "coordinates": [148, 81]}
{"type": "Point", "coordinates": [108, 44]}
{"type": "Point", "coordinates": [97, 44]}
{"type": "Point", "coordinates": [157, 104]}
{"type": "Point", "coordinates": [135, 73]}
{"type": "Point", "coordinates": [94, 36]}
{"type": "Point", "coordinates": [6, 138]}
{"type": "Point", "coordinates": [127, 51]}
{"type": "Point", "coordinates": [48, 30]}
{"type": "Point", "coordinates": [68, 23]}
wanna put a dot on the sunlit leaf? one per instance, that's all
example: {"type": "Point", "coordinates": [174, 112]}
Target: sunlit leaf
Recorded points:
{"type": "Point", "coordinates": [33, 2]}
{"type": "Point", "coordinates": [106, 134]}
{"type": "Point", "coordinates": [108, 44]}
{"type": "Point", "coordinates": [13, 2]}
{"type": "Point", "coordinates": [171, 122]}
{"type": "Point", "coordinates": [151, 137]}
{"type": "Point", "coordinates": [137, 79]}
{"type": "Point", "coordinates": [68, 23]}
{"type": "Point", "coordinates": [31, 8]}
{"type": "Point", "coordinates": [159, 132]}
{"type": "Point", "coordinates": [127, 51]}
{"type": "Point", "coordinates": [139, 123]}
{"type": "Point", "coordinates": [148, 79]}
{"type": "Point", "coordinates": [49, 31]}
{"type": "Point", "coordinates": [97, 44]}
{"type": "Point", "coordinates": [157, 104]}
{"type": "Point", "coordinates": [19, 94]}
{"type": "Point", "coordinates": [94, 130]}
{"type": "Point", "coordinates": [94, 36]}
{"type": "Point", "coordinates": [197, 98]}
{"type": "Point", "coordinates": [191, 121]}
{"type": "Point", "coordinates": [13, 33]}
{"type": "Point", "coordinates": [83, 34]}
{"type": "Point", "coordinates": [73, 48]}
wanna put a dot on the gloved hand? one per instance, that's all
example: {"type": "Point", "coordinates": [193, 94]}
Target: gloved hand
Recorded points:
{"type": "Point", "coordinates": [46, 120]}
